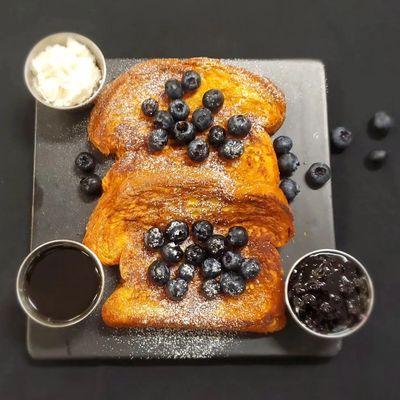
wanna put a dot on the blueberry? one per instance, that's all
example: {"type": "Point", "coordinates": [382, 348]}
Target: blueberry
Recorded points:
{"type": "Point", "coordinates": [239, 125]}
{"type": "Point", "coordinates": [317, 175]}
{"type": "Point", "coordinates": [159, 272]}
{"type": "Point", "coordinates": [341, 137]}
{"type": "Point", "coordinates": [232, 284]}
{"type": "Point", "coordinates": [381, 122]}
{"type": "Point", "coordinates": [289, 188]}
{"type": "Point", "coordinates": [91, 185]}
{"type": "Point", "coordinates": [250, 268]}
{"type": "Point", "coordinates": [164, 120]}
{"type": "Point", "coordinates": [171, 252]}
{"type": "Point", "coordinates": [173, 88]}
{"type": "Point", "coordinates": [202, 119]}
{"type": "Point", "coordinates": [158, 139]}
{"type": "Point", "coordinates": [231, 261]}
{"type": "Point", "coordinates": [282, 145]}
{"type": "Point", "coordinates": [377, 157]}
{"type": "Point", "coordinates": [194, 254]}
{"type": "Point", "coordinates": [186, 271]}
{"type": "Point", "coordinates": [202, 230]}
{"type": "Point", "coordinates": [198, 150]}
{"type": "Point", "coordinates": [211, 288]}
{"type": "Point", "coordinates": [179, 110]}
{"type": "Point", "coordinates": [237, 237]}
{"type": "Point", "coordinates": [176, 289]}
{"type": "Point", "coordinates": [154, 238]}
{"type": "Point", "coordinates": [177, 231]}
{"type": "Point", "coordinates": [231, 149]}
{"type": "Point", "coordinates": [287, 163]}
{"type": "Point", "coordinates": [183, 132]}
{"type": "Point", "coordinates": [346, 286]}
{"type": "Point", "coordinates": [190, 81]}
{"type": "Point", "coordinates": [211, 268]}
{"type": "Point", "coordinates": [215, 245]}
{"type": "Point", "coordinates": [216, 136]}
{"type": "Point", "coordinates": [213, 99]}
{"type": "Point", "coordinates": [149, 107]}
{"type": "Point", "coordinates": [85, 162]}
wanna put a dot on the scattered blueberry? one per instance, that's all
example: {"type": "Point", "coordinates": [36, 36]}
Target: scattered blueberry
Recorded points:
{"type": "Point", "coordinates": [282, 145]}
{"type": "Point", "coordinates": [216, 136]}
{"type": "Point", "coordinates": [250, 268]}
{"type": "Point", "coordinates": [289, 188]}
{"type": "Point", "coordinates": [176, 289]}
{"type": "Point", "coordinates": [91, 185]}
{"type": "Point", "coordinates": [231, 261]}
{"type": "Point", "coordinates": [198, 150]}
{"type": "Point", "coordinates": [179, 110]}
{"type": "Point", "coordinates": [231, 149]}
{"type": "Point", "coordinates": [171, 252]}
{"type": "Point", "coordinates": [213, 99]}
{"type": "Point", "coordinates": [377, 157]}
{"type": "Point", "coordinates": [177, 231]}
{"type": "Point", "coordinates": [173, 88]}
{"type": "Point", "coordinates": [190, 81]}
{"type": "Point", "coordinates": [183, 132]}
{"type": "Point", "coordinates": [202, 119]}
{"type": "Point", "coordinates": [163, 120]}
{"type": "Point", "coordinates": [159, 272]}
{"type": "Point", "coordinates": [237, 237]}
{"type": "Point", "coordinates": [149, 107]}
{"type": "Point", "coordinates": [287, 163]}
{"type": "Point", "coordinates": [239, 125]}
{"type": "Point", "coordinates": [194, 254]}
{"type": "Point", "coordinates": [186, 271]}
{"type": "Point", "coordinates": [211, 288]}
{"type": "Point", "coordinates": [85, 162]}
{"type": "Point", "coordinates": [216, 245]}
{"type": "Point", "coordinates": [158, 139]}
{"type": "Point", "coordinates": [211, 268]}
{"type": "Point", "coordinates": [341, 138]}
{"type": "Point", "coordinates": [202, 230]}
{"type": "Point", "coordinates": [317, 175]}
{"type": "Point", "coordinates": [154, 238]}
{"type": "Point", "coordinates": [232, 284]}
{"type": "Point", "coordinates": [381, 122]}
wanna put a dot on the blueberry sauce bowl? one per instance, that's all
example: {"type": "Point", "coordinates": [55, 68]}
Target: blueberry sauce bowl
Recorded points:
{"type": "Point", "coordinates": [329, 293]}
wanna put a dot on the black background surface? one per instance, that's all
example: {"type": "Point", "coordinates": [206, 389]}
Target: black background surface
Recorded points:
{"type": "Point", "coordinates": [359, 42]}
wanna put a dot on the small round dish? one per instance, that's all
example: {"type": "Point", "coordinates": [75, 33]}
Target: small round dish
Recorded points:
{"type": "Point", "coordinates": [345, 332]}
{"type": "Point", "coordinates": [61, 38]}
{"type": "Point", "coordinates": [23, 277]}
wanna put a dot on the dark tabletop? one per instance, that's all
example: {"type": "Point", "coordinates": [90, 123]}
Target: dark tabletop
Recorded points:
{"type": "Point", "coordinates": [359, 43]}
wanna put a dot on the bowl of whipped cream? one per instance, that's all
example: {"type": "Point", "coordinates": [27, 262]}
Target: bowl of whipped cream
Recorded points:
{"type": "Point", "coordinates": [65, 71]}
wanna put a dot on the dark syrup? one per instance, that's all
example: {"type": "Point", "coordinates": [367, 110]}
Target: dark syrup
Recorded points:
{"type": "Point", "coordinates": [62, 283]}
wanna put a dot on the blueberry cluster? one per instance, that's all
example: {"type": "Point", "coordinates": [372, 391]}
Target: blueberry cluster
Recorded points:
{"type": "Point", "coordinates": [174, 122]}
{"type": "Point", "coordinates": [223, 269]}
{"type": "Point", "coordinates": [91, 183]}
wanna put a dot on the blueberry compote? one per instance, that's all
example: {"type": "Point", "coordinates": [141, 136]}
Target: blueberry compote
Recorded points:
{"type": "Point", "coordinates": [328, 292]}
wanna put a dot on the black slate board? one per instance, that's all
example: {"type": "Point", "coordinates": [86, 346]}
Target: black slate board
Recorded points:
{"type": "Point", "coordinates": [60, 212]}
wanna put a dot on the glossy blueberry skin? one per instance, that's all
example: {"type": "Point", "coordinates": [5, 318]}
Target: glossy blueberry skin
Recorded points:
{"type": "Point", "coordinates": [190, 81]}
{"type": "Point", "coordinates": [183, 132]}
{"type": "Point", "coordinates": [341, 137]}
{"type": "Point", "coordinates": [232, 284]}
{"type": "Point", "coordinates": [176, 289]}
{"type": "Point", "coordinates": [177, 231]}
{"type": "Point", "coordinates": [174, 89]}
{"type": "Point", "coordinates": [171, 253]}
{"type": "Point", "coordinates": [159, 272]}
{"type": "Point", "coordinates": [216, 136]}
{"type": "Point", "coordinates": [239, 126]}
{"type": "Point", "coordinates": [237, 237]}
{"type": "Point", "coordinates": [194, 254]}
{"type": "Point", "coordinates": [377, 157]}
{"type": "Point", "coordinates": [381, 122]}
{"type": "Point", "coordinates": [317, 175]}
{"type": "Point", "coordinates": [158, 139]}
{"type": "Point", "coordinates": [179, 110]}
{"type": "Point", "coordinates": [163, 120]}
{"type": "Point", "coordinates": [288, 163]}
{"type": "Point", "coordinates": [289, 188]}
{"type": "Point", "coordinates": [154, 238]}
{"type": "Point", "coordinates": [231, 149]}
{"type": "Point", "coordinates": [85, 162]}
{"type": "Point", "coordinates": [186, 271]}
{"type": "Point", "coordinates": [211, 288]}
{"type": "Point", "coordinates": [91, 185]}
{"type": "Point", "coordinates": [202, 119]}
{"type": "Point", "coordinates": [149, 107]}
{"type": "Point", "coordinates": [215, 245]}
{"type": "Point", "coordinates": [250, 268]}
{"type": "Point", "coordinates": [202, 230]}
{"type": "Point", "coordinates": [231, 261]}
{"type": "Point", "coordinates": [213, 99]}
{"type": "Point", "coordinates": [282, 145]}
{"type": "Point", "coordinates": [198, 150]}
{"type": "Point", "coordinates": [211, 268]}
